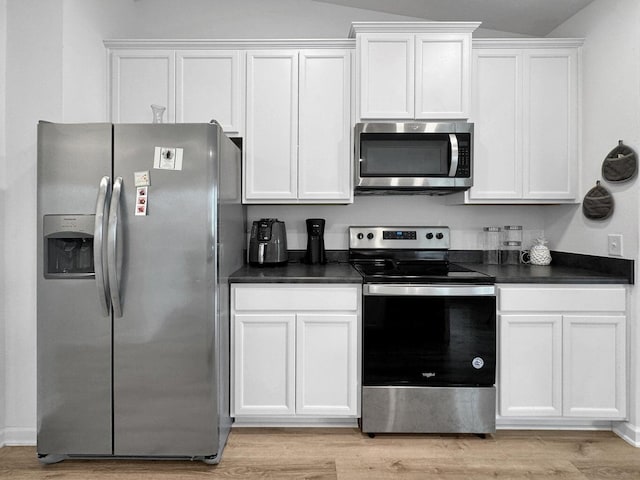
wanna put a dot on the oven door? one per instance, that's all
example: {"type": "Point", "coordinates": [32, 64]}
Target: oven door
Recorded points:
{"type": "Point", "coordinates": [429, 335]}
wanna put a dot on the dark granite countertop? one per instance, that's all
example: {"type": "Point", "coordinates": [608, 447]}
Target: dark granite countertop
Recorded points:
{"type": "Point", "coordinates": [557, 274]}
{"type": "Point", "coordinates": [297, 273]}
{"type": "Point", "coordinates": [566, 268]}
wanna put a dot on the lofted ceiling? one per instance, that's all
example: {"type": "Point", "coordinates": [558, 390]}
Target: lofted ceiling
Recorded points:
{"type": "Point", "coordinates": [526, 17]}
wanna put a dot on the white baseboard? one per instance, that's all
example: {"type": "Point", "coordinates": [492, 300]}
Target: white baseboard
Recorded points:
{"type": "Point", "coordinates": [513, 423]}
{"type": "Point", "coordinates": [628, 432]}
{"type": "Point", "coordinates": [13, 437]}
{"type": "Point", "coordinates": [268, 421]}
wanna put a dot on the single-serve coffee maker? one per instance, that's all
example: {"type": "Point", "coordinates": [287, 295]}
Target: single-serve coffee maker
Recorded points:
{"type": "Point", "coordinates": [315, 241]}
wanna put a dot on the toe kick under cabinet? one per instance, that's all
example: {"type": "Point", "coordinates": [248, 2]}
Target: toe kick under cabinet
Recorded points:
{"type": "Point", "coordinates": [562, 352]}
{"type": "Point", "coordinates": [295, 351]}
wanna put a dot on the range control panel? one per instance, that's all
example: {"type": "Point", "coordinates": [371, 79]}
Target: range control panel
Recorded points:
{"type": "Point", "coordinates": [436, 238]}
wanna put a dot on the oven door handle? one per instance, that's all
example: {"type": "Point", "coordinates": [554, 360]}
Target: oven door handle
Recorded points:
{"type": "Point", "coordinates": [406, 289]}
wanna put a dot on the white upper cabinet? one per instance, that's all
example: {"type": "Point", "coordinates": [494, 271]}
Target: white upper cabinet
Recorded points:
{"type": "Point", "coordinates": [271, 163]}
{"type": "Point", "coordinates": [550, 121]}
{"type": "Point", "coordinates": [443, 75]}
{"type": "Point", "coordinates": [324, 132]}
{"type": "Point", "coordinates": [298, 144]}
{"type": "Point", "coordinates": [289, 100]}
{"type": "Point", "coordinates": [497, 148]}
{"type": "Point", "coordinates": [413, 70]}
{"type": "Point", "coordinates": [526, 114]}
{"type": "Point", "coordinates": [140, 78]}
{"type": "Point", "coordinates": [209, 86]}
{"type": "Point", "coordinates": [194, 84]}
{"type": "Point", "coordinates": [387, 76]}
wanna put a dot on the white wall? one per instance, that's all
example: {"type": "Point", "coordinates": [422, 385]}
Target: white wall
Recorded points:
{"type": "Point", "coordinates": [86, 23]}
{"type": "Point", "coordinates": [33, 91]}
{"type": "Point", "coordinates": [55, 70]}
{"type": "Point", "coordinates": [254, 19]}
{"type": "Point", "coordinates": [611, 112]}
{"type": "Point", "coordinates": [3, 186]}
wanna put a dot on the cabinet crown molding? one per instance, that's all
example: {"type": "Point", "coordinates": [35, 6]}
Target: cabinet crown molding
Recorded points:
{"type": "Point", "coordinates": [230, 44]}
{"type": "Point", "coordinates": [412, 27]}
{"type": "Point", "coordinates": [517, 43]}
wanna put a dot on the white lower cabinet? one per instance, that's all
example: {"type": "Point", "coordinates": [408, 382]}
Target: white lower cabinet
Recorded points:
{"type": "Point", "coordinates": [562, 351]}
{"type": "Point", "coordinates": [264, 364]}
{"type": "Point", "coordinates": [530, 365]}
{"type": "Point", "coordinates": [295, 350]}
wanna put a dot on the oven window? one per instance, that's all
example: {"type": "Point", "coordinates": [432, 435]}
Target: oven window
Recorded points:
{"type": "Point", "coordinates": [433, 341]}
{"type": "Point", "coordinates": [404, 155]}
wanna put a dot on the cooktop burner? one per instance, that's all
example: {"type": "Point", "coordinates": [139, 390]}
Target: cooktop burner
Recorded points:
{"type": "Point", "coordinates": [407, 255]}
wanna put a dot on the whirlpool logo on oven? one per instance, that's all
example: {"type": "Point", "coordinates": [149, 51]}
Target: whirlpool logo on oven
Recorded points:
{"type": "Point", "coordinates": [477, 363]}
{"type": "Point", "coordinates": [428, 374]}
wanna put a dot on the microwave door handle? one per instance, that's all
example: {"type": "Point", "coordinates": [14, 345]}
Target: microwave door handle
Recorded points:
{"type": "Point", "coordinates": [453, 139]}
{"type": "Point", "coordinates": [99, 234]}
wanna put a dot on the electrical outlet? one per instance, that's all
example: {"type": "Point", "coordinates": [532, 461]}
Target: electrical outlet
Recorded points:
{"type": "Point", "coordinates": [614, 241]}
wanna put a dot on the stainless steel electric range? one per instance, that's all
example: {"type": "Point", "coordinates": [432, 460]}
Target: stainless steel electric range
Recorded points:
{"type": "Point", "coordinates": [429, 334]}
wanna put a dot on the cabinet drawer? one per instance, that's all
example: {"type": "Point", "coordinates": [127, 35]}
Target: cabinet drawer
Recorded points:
{"type": "Point", "coordinates": [288, 298]}
{"type": "Point", "coordinates": [561, 298]}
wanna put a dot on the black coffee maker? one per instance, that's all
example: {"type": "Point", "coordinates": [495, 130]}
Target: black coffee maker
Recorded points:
{"type": "Point", "coordinates": [315, 241]}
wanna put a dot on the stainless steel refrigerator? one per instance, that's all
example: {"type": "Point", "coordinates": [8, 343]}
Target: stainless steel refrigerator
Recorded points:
{"type": "Point", "coordinates": [139, 227]}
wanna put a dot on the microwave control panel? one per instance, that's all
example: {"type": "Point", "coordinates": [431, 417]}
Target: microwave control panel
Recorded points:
{"type": "Point", "coordinates": [464, 156]}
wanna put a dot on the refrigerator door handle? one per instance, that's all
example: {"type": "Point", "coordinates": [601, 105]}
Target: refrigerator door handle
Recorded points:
{"type": "Point", "coordinates": [100, 230]}
{"type": "Point", "coordinates": [112, 248]}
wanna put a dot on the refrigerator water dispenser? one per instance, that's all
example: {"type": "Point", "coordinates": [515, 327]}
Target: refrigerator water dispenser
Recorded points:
{"type": "Point", "coordinates": [68, 241]}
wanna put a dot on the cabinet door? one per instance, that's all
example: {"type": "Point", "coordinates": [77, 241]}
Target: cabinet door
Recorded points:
{"type": "Point", "coordinates": [497, 172]}
{"type": "Point", "coordinates": [263, 367]}
{"type": "Point", "coordinates": [324, 152]}
{"type": "Point", "coordinates": [272, 126]}
{"type": "Point", "coordinates": [327, 364]}
{"type": "Point", "coordinates": [140, 78]}
{"type": "Point", "coordinates": [550, 138]}
{"type": "Point", "coordinates": [387, 75]}
{"type": "Point", "coordinates": [594, 366]}
{"type": "Point", "coordinates": [443, 67]}
{"type": "Point", "coordinates": [530, 365]}
{"type": "Point", "coordinates": [209, 87]}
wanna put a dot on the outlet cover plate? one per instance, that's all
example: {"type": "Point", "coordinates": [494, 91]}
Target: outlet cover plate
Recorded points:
{"type": "Point", "coordinates": [614, 242]}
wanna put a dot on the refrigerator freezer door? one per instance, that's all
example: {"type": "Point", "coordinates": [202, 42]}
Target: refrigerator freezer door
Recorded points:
{"type": "Point", "coordinates": [74, 336]}
{"type": "Point", "coordinates": [165, 381]}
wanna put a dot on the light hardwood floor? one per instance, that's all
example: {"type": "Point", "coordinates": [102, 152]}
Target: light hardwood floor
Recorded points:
{"type": "Point", "coordinates": [307, 453]}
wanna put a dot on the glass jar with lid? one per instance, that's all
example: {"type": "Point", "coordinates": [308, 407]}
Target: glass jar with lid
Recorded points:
{"type": "Point", "coordinates": [511, 244]}
{"type": "Point", "coordinates": [491, 245]}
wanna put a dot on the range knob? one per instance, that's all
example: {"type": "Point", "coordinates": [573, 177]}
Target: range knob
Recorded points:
{"type": "Point", "coordinates": [360, 236]}
{"type": "Point", "coordinates": [429, 236]}
{"type": "Point", "coordinates": [370, 236]}
{"type": "Point", "coordinates": [439, 235]}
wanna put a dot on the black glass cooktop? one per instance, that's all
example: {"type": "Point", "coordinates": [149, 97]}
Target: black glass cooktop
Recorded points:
{"type": "Point", "coordinates": [419, 272]}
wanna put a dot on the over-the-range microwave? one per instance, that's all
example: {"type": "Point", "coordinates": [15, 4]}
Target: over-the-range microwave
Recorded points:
{"type": "Point", "coordinates": [413, 157]}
